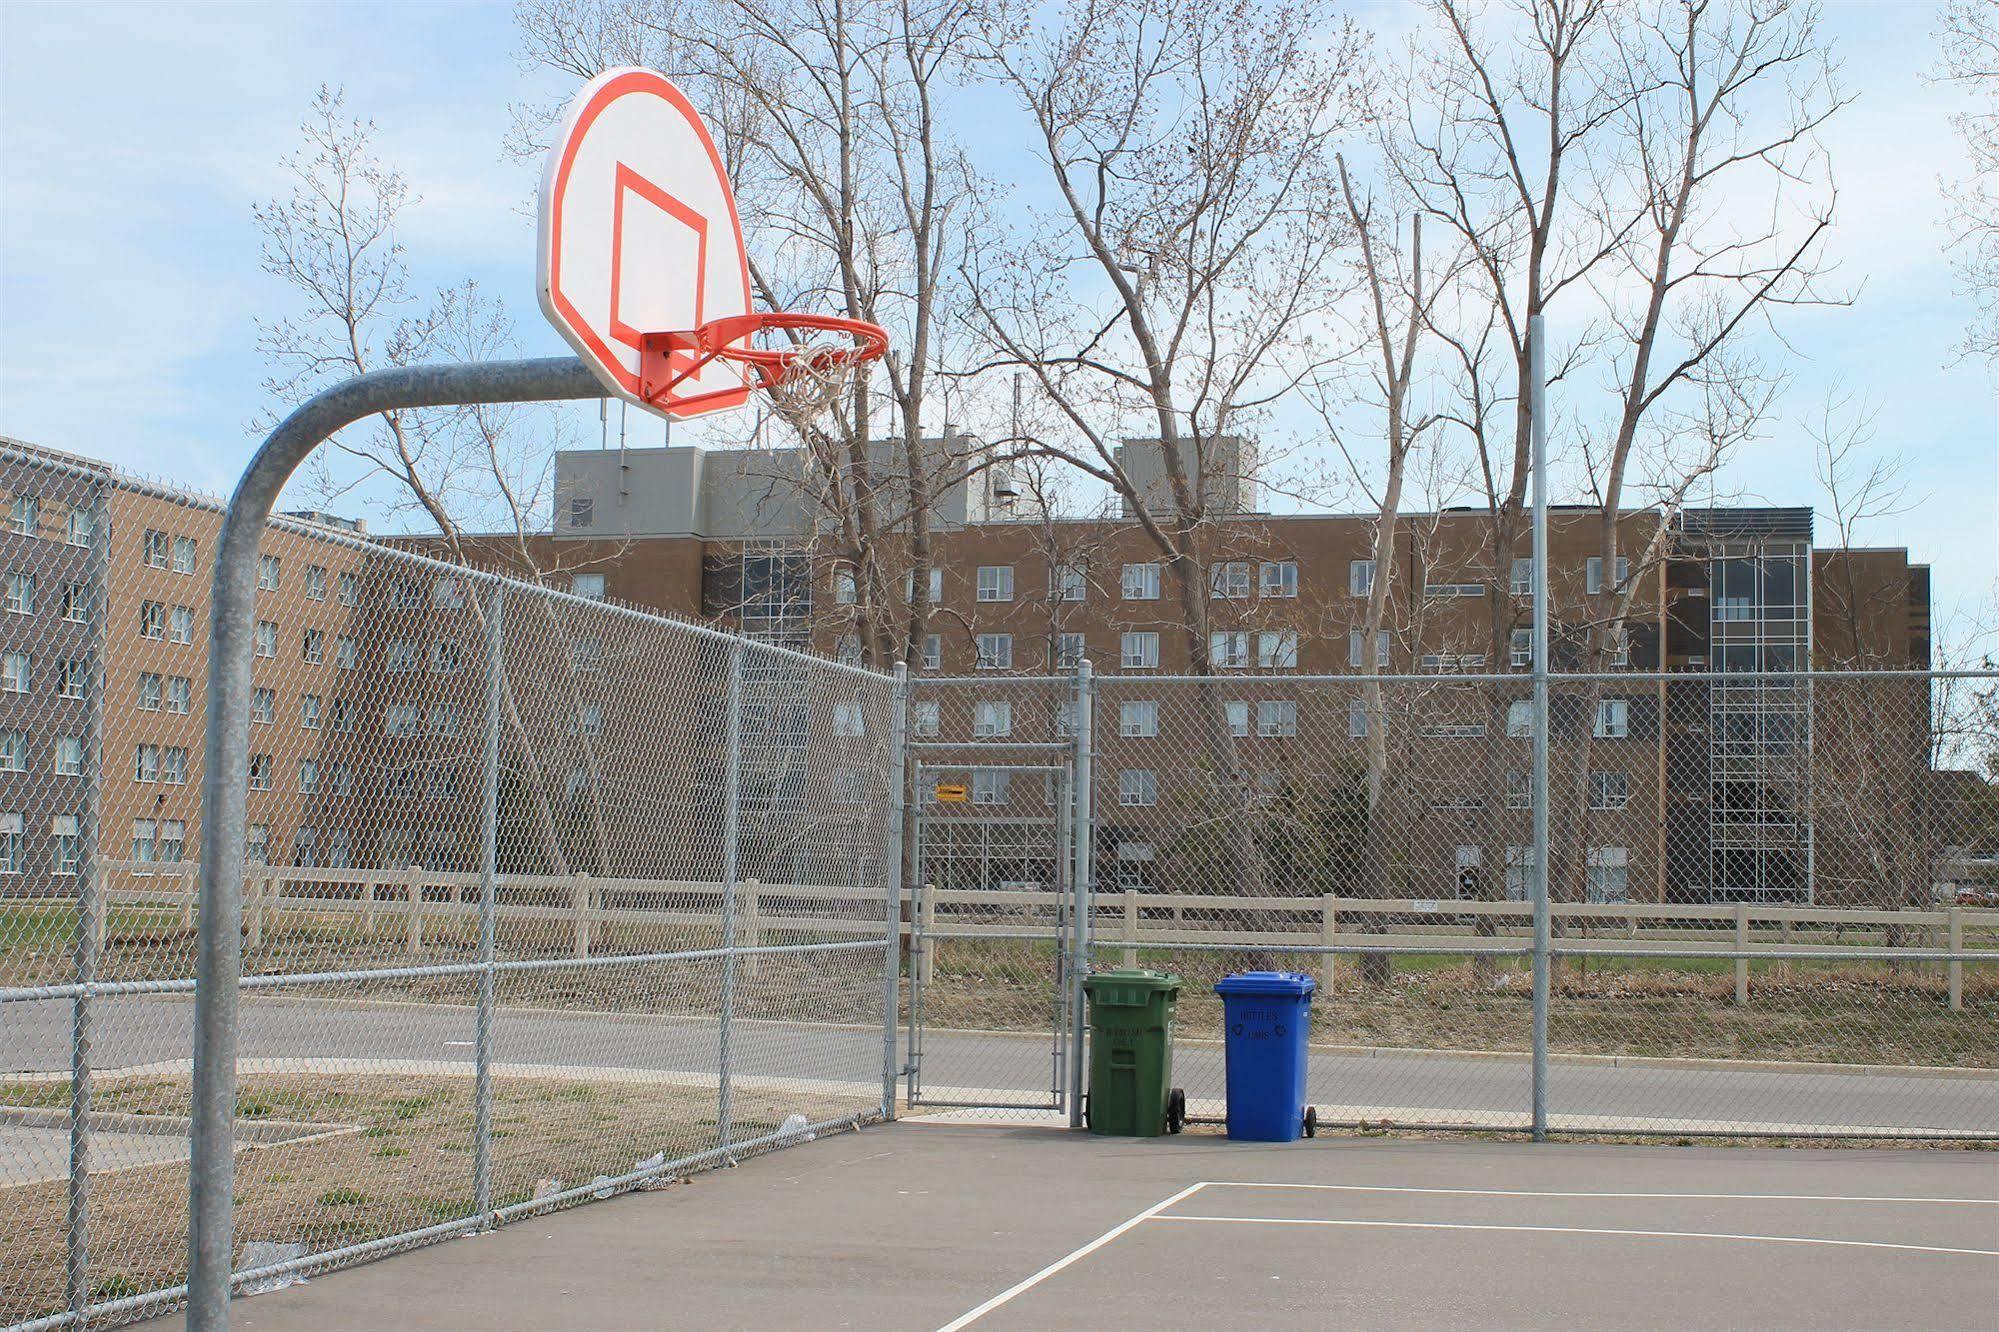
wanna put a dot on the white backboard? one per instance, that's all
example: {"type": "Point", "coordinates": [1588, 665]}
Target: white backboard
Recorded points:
{"type": "Point", "coordinates": [639, 234]}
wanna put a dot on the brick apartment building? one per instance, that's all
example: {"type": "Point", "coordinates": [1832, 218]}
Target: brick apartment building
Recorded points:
{"type": "Point", "coordinates": [365, 750]}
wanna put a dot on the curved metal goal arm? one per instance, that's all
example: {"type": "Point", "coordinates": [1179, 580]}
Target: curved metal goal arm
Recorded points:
{"type": "Point", "coordinates": [225, 783]}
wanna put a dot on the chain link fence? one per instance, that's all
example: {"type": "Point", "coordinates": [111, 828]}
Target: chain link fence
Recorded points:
{"type": "Point", "coordinates": [547, 899]}
{"type": "Point", "coordinates": [1771, 896]}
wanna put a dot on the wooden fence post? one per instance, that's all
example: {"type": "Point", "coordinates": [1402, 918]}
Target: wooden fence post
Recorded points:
{"type": "Point", "coordinates": [1130, 927]}
{"type": "Point", "coordinates": [580, 902]}
{"type": "Point", "coordinates": [1955, 970]}
{"type": "Point", "coordinates": [1741, 942]}
{"type": "Point", "coordinates": [413, 926]}
{"type": "Point", "coordinates": [1329, 926]}
{"type": "Point", "coordinates": [192, 882]}
{"type": "Point", "coordinates": [368, 907]}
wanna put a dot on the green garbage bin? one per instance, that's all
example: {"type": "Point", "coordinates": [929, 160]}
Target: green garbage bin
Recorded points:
{"type": "Point", "coordinates": [1131, 1053]}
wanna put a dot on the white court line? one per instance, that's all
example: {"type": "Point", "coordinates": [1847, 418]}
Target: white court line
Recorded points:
{"type": "Point", "coordinates": [1554, 1193]}
{"type": "Point", "coordinates": [1576, 1230]}
{"type": "Point", "coordinates": [1150, 1213]}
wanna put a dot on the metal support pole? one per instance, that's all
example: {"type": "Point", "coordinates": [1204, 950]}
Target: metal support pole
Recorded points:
{"type": "Point", "coordinates": [892, 882]}
{"type": "Point", "coordinates": [732, 790]}
{"type": "Point", "coordinates": [226, 745]}
{"type": "Point", "coordinates": [489, 865]}
{"type": "Point", "coordinates": [89, 940]}
{"type": "Point", "coordinates": [1537, 352]}
{"type": "Point", "coordinates": [1081, 834]}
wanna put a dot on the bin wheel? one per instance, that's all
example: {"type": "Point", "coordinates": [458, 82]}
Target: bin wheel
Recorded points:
{"type": "Point", "coordinates": [1176, 1110]}
{"type": "Point", "coordinates": [1311, 1121]}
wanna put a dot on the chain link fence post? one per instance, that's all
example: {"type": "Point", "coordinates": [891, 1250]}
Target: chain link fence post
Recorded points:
{"type": "Point", "coordinates": [90, 930]}
{"type": "Point", "coordinates": [892, 884]}
{"type": "Point", "coordinates": [1081, 835]}
{"type": "Point", "coordinates": [732, 789]}
{"type": "Point", "coordinates": [1537, 355]}
{"type": "Point", "coordinates": [489, 863]}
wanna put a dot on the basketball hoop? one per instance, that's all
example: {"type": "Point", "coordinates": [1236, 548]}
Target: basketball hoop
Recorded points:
{"type": "Point", "coordinates": [804, 377]}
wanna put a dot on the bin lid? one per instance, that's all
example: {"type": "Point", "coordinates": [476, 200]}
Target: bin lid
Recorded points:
{"type": "Point", "coordinates": [1266, 982]}
{"type": "Point", "coordinates": [1140, 977]}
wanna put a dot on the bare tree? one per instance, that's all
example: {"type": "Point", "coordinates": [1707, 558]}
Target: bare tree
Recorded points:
{"type": "Point", "coordinates": [1969, 37]}
{"type": "Point", "coordinates": [1173, 288]}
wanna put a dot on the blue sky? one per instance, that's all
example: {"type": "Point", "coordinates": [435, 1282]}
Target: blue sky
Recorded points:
{"type": "Point", "coordinates": [134, 140]}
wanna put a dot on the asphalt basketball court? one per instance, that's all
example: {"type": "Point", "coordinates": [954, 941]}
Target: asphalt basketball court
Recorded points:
{"type": "Point", "coordinates": [945, 1226]}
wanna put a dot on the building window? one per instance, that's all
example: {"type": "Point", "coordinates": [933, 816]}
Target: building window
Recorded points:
{"type": "Point", "coordinates": [26, 514]}
{"type": "Point", "coordinates": [1068, 582]}
{"type": "Point", "coordinates": [72, 678]}
{"type": "Point", "coordinates": [1613, 719]}
{"type": "Point", "coordinates": [1140, 651]}
{"type": "Point", "coordinates": [933, 652]}
{"type": "Point", "coordinates": [1360, 578]}
{"type": "Point", "coordinates": [588, 655]}
{"type": "Point", "coordinates": [1229, 580]}
{"type": "Point", "coordinates": [1593, 574]}
{"type": "Point", "coordinates": [343, 716]}
{"type": "Point", "coordinates": [403, 658]}
{"type": "Point", "coordinates": [926, 719]}
{"type": "Point", "coordinates": [76, 602]}
{"type": "Point", "coordinates": [257, 844]}
{"type": "Point", "coordinates": [17, 672]}
{"type": "Point", "coordinates": [149, 691]}
{"type": "Point", "coordinates": [154, 547]}
{"type": "Point", "coordinates": [308, 712]}
{"type": "Point", "coordinates": [1137, 787]}
{"type": "Point", "coordinates": [1237, 712]}
{"type": "Point", "coordinates": [1141, 582]}
{"type": "Point", "coordinates": [1521, 584]}
{"type": "Point", "coordinates": [186, 555]}
{"type": "Point", "coordinates": [995, 652]}
{"type": "Point", "coordinates": [935, 583]}
{"type": "Point", "coordinates": [13, 751]}
{"type": "Point", "coordinates": [260, 772]}
{"type": "Point", "coordinates": [345, 654]}
{"type": "Point", "coordinates": [263, 706]}
{"type": "Point", "coordinates": [179, 695]}
{"type": "Point", "coordinates": [402, 718]}
{"type": "Point", "coordinates": [308, 777]}
{"type": "Point", "coordinates": [180, 628]}
{"type": "Point", "coordinates": [20, 594]}
{"type": "Point", "coordinates": [1608, 870]}
{"type": "Point", "coordinates": [1356, 718]}
{"type": "Point", "coordinates": [996, 582]}
{"type": "Point", "coordinates": [146, 763]}
{"type": "Point", "coordinates": [305, 847]}
{"type": "Point", "coordinates": [1448, 591]}
{"type": "Point", "coordinates": [446, 657]}
{"type": "Point", "coordinates": [1519, 873]}
{"type": "Point", "coordinates": [1228, 650]}
{"type": "Point", "coordinates": [1069, 650]}
{"type": "Point", "coordinates": [173, 765]}
{"type": "Point", "coordinates": [589, 586]}
{"type": "Point", "coordinates": [449, 593]}
{"type": "Point", "coordinates": [1520, 718]}
{"type": "Point", "coordinates": [991, 788]}
{"type": "Point", "coordinates": [1355, 637]}
{"type": "Point", "coordinates": [173, 838]}
{"type": "Point", "coordinates": [153, 619]}
{"type": "Point", "coordinates": [267, 638]}
{"type": "Point", "coordinates": [1277, 650]}
{"type": "Point", "coordinates": [82, 526]}
{"type": "Point", "coordinates": [448, 719]}
{"type": "Point", "coordinates": [991, 721]}
{"type": "Point", "coordinates": [343, 779]}
{"type": "Point", "coordinates": [66, 844]}
{"type": "Point", "coordinates": [1279, 578]}
{"type": "Point", "coordinates": [847, 649]}
{"type": "Point", "coordinates": [1065, 720]}
{"type": "Point", "coordinates": [145, 840]}
{"type": "Point", "coordinates": [1138, 719]}
{"type": "Point", "coordinates": [1609, 790]}
{"type": "Point", "coordinates": [315, 582]}
{"type": "Point", "coordinates": [582, 510]}
{"type": "Point", "coordinates": [845, 592]}
{"type": "Point", "coordinates": [12, 843]}
{"type": "Point", "coordinates": [69, 756]}
{"type": "Point", "coordinates": [350, 589]}
{"type": "Point", "coordinates": [1520, 648]}
{"type": "Point", "coordinates": [1277, 719]}
{"type": "Point", "coordinates": [590, 718]}
{"type": "Point", "coordinates": [267, 573]}
{"type": "Point", "coordinates": [848, 720]}
{"type": "Point", "coordinates": [312, 646]}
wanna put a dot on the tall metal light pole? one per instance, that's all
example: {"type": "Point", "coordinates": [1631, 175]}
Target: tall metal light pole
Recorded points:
{"type": "Point", "coordinates": [1537, 364]}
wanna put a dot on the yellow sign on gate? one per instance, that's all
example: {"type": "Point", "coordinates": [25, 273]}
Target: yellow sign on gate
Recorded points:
{"type": "Point", "coordinates": [952, 793]}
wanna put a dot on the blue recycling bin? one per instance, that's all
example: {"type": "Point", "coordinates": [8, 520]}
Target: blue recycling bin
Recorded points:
{"type": "Point", "coordinates": [1265, 1018]}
